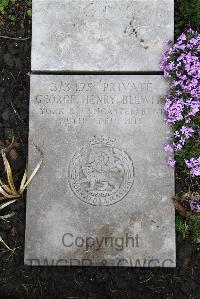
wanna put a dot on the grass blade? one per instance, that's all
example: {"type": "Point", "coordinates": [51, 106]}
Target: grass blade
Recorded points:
{"type": "Point", "coordinates": [9, 173]}
{"type": "Point", "coordinates": [2, 241]}
{"type": "Point", "coordinates": [6, 195]}
{"type": "Point", "coordinates": [4, 217]}
{"type": "Point", "coordinates": [4, 186]}
{"type": "Point", "coordinates": [23, 182]}
{"type": "Point", "coordinates": [32, 175]}
{"type": "Point", "coordinates": [2, 206]}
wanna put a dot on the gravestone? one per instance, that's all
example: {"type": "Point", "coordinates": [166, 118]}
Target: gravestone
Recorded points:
{"type": "Point", "coordinates": [103, 194]}
{"type": "Point", "coordinates": [94, 35]}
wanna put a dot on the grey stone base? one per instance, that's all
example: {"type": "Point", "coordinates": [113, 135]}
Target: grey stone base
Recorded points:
{"type": "Point", "coordinates": [103, 194]}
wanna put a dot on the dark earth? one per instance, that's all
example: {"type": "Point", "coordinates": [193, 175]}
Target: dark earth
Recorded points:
{"type": "Point", "coordinates": [20, 281]}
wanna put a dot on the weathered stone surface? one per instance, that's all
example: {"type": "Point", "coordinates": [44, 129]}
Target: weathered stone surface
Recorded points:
{"type": "Point", "coordinates": [104, 177]}
{"type": "Point", "coordinates": [106, 35]}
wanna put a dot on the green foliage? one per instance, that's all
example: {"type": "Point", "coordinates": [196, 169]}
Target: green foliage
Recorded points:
{"type": "Point", "coordinates": [3, 5]}
{"type": "Point", "coordinates": [187, 14]}
{"type": "Point", "coordinates": [29, 12]}
{"type": "Point", "coordinates": [15, 12]}
{"type": "Point", "coordinates": [190, 227]}
{"type": "Point", "coordinates": [194, 224]}
{"type": "Point", "coordinates": [187, 219]}
{"type": "Point", "coordinates": [191, 149]}
{"type": "Point", "coordinates": [181, 227]}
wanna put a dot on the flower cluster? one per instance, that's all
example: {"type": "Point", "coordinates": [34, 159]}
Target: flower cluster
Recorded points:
{"type": "Point", "coordinates": [191, 201]}
{"type": "Point", "coordinates": [181, 64]}
{"type": "Point", "coordinates": [194, 166]}
{"type": "Point", "coordinates": [194, 205]}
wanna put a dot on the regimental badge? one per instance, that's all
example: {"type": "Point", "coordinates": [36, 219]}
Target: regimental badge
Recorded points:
{"type": "Point", "coordinates": [101, 173]}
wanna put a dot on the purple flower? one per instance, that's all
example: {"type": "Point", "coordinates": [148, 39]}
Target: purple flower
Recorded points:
{"type": "Point", "coordinates": [176, 134]}
{"type": "Point", "coordinates": [174, 109]}
{"type": "Point", "coordinates": [182, 38]}
{"type": "Point", "coordinates": [182, 141]}
{"type": "Point", "coordinates": [177, 147]}
{"type": "Point", "coordinates": [171, 162]}
{"type": "Point", "coordinates": [187, 132]}
{"type": "Point", "coordinates": [168, 148]}
{"type": "Point", "coordinates": [194, 165]}
{"type": "Point", "coordinates": [195, 205]}
{"type": "Point", "coordinates": [181, 63]}
{"type": "Point", "coordinates": [168, 41]}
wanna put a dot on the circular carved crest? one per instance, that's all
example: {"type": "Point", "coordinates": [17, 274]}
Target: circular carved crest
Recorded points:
{"type": "Point", "coordinates": [101, 173]}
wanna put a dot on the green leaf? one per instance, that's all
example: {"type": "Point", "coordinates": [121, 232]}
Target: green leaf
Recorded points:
{"type": "Point", "coordinates": [29, 12]}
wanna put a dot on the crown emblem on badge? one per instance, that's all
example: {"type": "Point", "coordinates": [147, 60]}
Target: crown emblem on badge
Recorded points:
{"type": "Point", "coordinates": [101, 140]}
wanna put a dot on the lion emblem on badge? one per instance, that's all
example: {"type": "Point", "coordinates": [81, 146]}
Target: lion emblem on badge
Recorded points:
{"type": "Point", "coordinates": [101, 173]}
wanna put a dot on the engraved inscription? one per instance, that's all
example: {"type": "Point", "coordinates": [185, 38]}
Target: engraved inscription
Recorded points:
{"type": "Point", "coordinates": [74, 103]}
{"type": "Point", "coordinates": [101, 173]}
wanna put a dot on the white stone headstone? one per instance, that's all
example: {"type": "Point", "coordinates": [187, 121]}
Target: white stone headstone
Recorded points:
{"type": "Point", "coordinates": [103, 194]}
{"type": "Point", "coordinates": [100, 35]}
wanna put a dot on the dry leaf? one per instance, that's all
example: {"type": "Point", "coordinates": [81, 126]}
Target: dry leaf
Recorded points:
{"type": "Point", "coordinates": [13, 154]}
{"type": "Point", "coordinates": [10, 147]}
{"type": "Point", "coordinates": [13, 232]}
{"type": "Point", "coordinates": [180, 208]}
{"type": "Point", "coordinates": [9, 190]}
{"type": "Point", "coordinates": [9, 174]}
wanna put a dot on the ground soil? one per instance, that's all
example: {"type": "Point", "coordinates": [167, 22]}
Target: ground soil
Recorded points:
{"type": "Point", "coordinates": [19, 281]}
